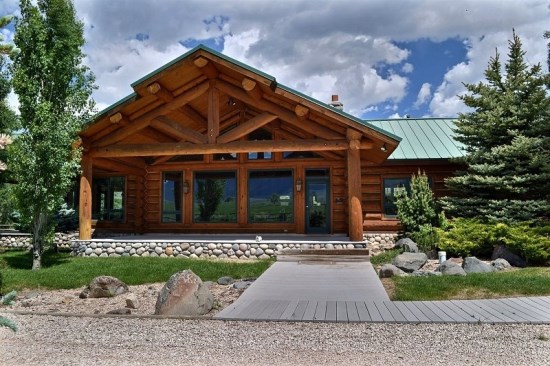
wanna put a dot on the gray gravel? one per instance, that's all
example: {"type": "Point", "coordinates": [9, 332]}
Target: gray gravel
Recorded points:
{"type": "Point", "coordinates": [58, 340]}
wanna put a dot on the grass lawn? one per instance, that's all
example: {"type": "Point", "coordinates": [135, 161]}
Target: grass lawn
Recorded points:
{"type": "Point", "coordinates": [62, 271]}
{"type": "Point", "coordinates": [533, 281]}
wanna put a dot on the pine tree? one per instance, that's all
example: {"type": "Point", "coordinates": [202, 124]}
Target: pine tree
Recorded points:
{"type": "Point", "coordinates": [54, 90]}
{"type": "Point", "coordinates": [507, 143]}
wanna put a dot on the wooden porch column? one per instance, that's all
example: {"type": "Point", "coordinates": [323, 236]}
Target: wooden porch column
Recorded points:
{"type": "Point", "coordinates": [213, 114]}
{"type": "Point", "coordinates": [355, 212]}
{"type": "Point", "coordinates": [85, 205]}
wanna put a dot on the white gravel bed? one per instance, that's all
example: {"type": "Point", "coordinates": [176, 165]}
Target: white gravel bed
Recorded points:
{"type": "Point", "coordinates": [59, 340]}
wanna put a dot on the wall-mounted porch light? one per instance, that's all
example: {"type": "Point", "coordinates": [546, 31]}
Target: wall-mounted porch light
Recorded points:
{"type": "Point", "coordinates": [186, 187]}
{"type": "Point", "coordinates": [298, 185]}
{"type": "Point", "coordinates": [384, 148]}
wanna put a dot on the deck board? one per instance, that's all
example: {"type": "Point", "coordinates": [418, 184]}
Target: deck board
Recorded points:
{"type": "Point", "coordinates": [395, 312]}
{"type": "Point", "coordinates": [437, 309]}
{"type": "Point", "coordinates": [330, 315]}
{"type": "Point", "coordinates": [363, 312]}
{"type": "Point", "coordinates": [407, 313]}
{"type": "Point", "coordinates": [320, 311]}
{"type": "Point", "coordinates": [342, 311]}
{"type": "Point", "coordinates": [374, 314]}
{"type": "Point", "coordinates": [309, 313]}
{"type": "Point", "coordinates": [353, 314]}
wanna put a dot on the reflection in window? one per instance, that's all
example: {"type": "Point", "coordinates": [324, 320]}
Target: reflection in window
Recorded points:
{"type": "Point", "coordinates": [171, 196]}
{"type": "Point", "coordinates": [108, 198]}
{"type": "Point", "coordinates": [270, 196]}
{"type": "Point", "coordinates": [260, 135]}
{"type": "Point", "coordinates": [214, 197]}
{"type": "Point", "coordinates": [391, 187]}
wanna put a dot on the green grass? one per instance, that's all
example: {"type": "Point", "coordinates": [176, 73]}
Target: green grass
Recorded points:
{"type": "Point", "coordinates": [385, 257]}
{"type": "Point", "coordinates": [62, 271]}
{"type": "Point", "coordinates": [533, 281]}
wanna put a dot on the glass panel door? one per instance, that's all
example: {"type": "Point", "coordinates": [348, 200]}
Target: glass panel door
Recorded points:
{"type": "Point", "coordinates": [317, 205]}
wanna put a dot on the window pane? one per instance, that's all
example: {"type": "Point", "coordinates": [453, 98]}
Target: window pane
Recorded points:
{"type": "Point", "coordinates": [300, 155]}
{"type": "Point", "coordinates": [214, 198]}
{"type": "Point", "coordinates": [270, 196]}
{"type": "Point", "coordinates": [391, 187]}
{"type": "Point", "coordinates": [171, 196]}
{"type": "Point", "coordinates": [260, 135]}
{"type": "Point", "coordinates": [108, 198]}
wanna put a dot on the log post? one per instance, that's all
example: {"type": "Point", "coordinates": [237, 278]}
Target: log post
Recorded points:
{"type": "Point", "coordinates": [85, 204]}
{"type": "Point", "coordinates": [355, 212]}
{"type": "Point", "coordinates": [213, 115]}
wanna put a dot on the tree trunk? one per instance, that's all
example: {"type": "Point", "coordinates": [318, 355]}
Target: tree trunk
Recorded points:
{"type": "Point", "coordinates": [39, 225]}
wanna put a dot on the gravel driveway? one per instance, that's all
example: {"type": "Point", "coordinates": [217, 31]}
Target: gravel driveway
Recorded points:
{"type": "Point", "coordinates": [59, 340]}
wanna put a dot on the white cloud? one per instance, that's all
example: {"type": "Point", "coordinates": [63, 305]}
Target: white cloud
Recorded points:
{"type": "Point", "coordinates": [407, 68]}
{"type": "Point", "coordinates": [424, 94]}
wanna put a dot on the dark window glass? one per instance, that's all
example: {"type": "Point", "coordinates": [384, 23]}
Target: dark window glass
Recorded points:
{"type": "Point", "coordinates": [270, 196]}
{"type": "Point", "coordinates": [108, 198]}
{"type": "Point", "coordinates": [171, 196]}
{"type": "Point", "coordinates": [300, 155]}
{"type": "Point", "coordinates": [184, 158]}
{"type": "Point", "coordinates": [260, 135]}
{"type": "Point", "coordinates": [225, 157]}
{"type": "Point", "coordinates": [214, 197]}
{"type": "Point", "coordinates": [391, 187]}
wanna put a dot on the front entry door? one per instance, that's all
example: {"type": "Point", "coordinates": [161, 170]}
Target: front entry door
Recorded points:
{"type": "Point", "coordinates": [317, 205]}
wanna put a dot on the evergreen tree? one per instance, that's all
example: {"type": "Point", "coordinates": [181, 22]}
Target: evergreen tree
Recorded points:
{"type": "Point", "coordinates": [507, 140]}
{"type": "Point", "coordinates": [54, 90]}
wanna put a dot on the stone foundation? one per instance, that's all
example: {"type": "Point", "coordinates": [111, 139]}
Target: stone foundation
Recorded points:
{"type": "Point", "coordinates": [232, 250]}
{"type": "Point", "coordinates": [378, 242]}
{"type": "Point", "coordinates": [23, 240]}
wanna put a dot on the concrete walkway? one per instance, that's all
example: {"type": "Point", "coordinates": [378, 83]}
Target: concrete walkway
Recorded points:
{"type": "Point", "coordinates": [332, 290]}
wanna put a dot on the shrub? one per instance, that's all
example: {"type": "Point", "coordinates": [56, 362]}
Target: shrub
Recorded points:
{"type": "Point", "coordinates": [66, 219]}
{"type": "Point", "coordinates": [469, 237]}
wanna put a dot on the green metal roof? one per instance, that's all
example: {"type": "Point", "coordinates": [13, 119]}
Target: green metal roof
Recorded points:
{"type": "Point", "coordinates": [424, 138]}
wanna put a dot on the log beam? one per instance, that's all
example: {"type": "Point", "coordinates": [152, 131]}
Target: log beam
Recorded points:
{"type": "Point", "coordinates": [301, 112]}
{"type": "Point", "coordinates": [119, 119]}
{"type": "Point", "coordinates": [206, 67]}
{"type": "Point", "coordinates": [230, 147]}
{"type": "Point", "coordinates": [213, 115]}
{"type": "Point", "coordinates": [247, 127]}
{"type": "Point", "coordinates": [115, 166]}
{"type": "Point", "coordinates": [252, 88]}
{"type": "Point", "coordinates": [355, 211]}
{"type": "Point", "coordinates": [160, 92]}
{"type": "Point", "coordinates": [85, 204]}
{"type": "Point", "coordinates": [166, 125]}
{"type": "Point", "coordinates": [145, 119]}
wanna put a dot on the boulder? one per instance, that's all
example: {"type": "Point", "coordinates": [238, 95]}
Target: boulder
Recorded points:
{"type": "Point", "coordinates": [422, 273]}
{"type": "Point", "coordinates": [451, 269]}
{"type": "Point", "coordinates": [500, 264]}
{"type": "Point", "coordinates": [184, 295]}
{"type": "Point", "coordinates": [225, 280]}
{"type": "Point", "coordinates": [132, 301]}
{"type": "Point", "coordinates": [501, 251]}
{"type": "Point", "coordinates": [389, 270]}
{"type": "Point", "coordinates": [408, 245]}
{"type": "Point", "coordinates": [474, 265]}
{"type": "Point", "coordinates": [242, 285]}
{"type": "Point", "coordinates": [104, 286]}
{"type": "Point", "coordinates": [410, 262]}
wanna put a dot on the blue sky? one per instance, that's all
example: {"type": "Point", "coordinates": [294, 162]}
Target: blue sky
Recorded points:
{"type": "Point", "coordinates": [385, 59]}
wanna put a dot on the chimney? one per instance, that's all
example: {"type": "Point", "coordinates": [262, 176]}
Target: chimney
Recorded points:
{"type": "Point", "coordinates": [336, 103]}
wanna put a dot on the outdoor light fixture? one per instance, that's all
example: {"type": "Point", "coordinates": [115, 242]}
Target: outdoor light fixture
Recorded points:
{"type": "Point", "coordinates": [384, 148]}
{"type": "Point", "coordinates": [231, 102]}
{"type": "Point", "coordinates": [186, 187]}
{"type": "Point", "coordinates": [298, 185]}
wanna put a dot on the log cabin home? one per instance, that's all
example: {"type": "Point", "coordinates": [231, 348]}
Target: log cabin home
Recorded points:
{"type": "Point", "coordinates": [207, 144]}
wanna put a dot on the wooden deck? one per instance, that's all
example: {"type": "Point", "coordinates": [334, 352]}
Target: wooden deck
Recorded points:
{"type": "Point", "coordinates": [326, 291]}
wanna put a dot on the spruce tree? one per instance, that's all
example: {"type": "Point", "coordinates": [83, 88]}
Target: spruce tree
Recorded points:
{"type": "Point", "coordinates": [507, 143]}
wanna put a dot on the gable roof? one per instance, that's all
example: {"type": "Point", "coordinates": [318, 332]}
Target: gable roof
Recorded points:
{"type": "Point", "coordinates": [423, 138]}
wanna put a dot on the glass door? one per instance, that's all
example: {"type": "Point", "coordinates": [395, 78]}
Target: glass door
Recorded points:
{"type": "Point", "coordinates": [317, 205]}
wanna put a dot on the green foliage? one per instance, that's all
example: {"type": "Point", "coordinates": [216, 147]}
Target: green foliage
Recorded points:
{"type": "Point", "coordinates": [385, 257]}
{"type": "Point", "coordinates": [469, 237]}
{"type": "Point", "coordinates": [523, 282]}
{"type": "Point", "coordinates": [54, 90]}
{"type": "Point", "coordinates": [9, 297]}
{"type": "Point", "coordinates": [8, 210]}
{"type": "Point", "coordinates": [507, 140]}
{"type": "Point", "coordinates": [209, 195]}
{"type": "Point", "coordinates": [5, 322]}
{"type": "Point", "coordinates": [417, 212]}
{"type": "Point", "coordinates": [66, 219]}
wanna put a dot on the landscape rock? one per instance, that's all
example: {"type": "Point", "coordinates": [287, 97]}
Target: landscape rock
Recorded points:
{"type": "Point", "coordinates": [500, 264]}
{"type": "Point", "coordinates": [408, 245]}
{"type": "Point", "coordinates": [474, 265]}
{"type": "Point", "coordinates": [448, 268]}
{"type": "Point", "coordinates": [389, 270]}
{"type": "Point", "coordinates": [241, 285]}
{"type": "Point", "coordinates": [501, 251]}
{"type": "Point", "coordinates": [410, 262]}
{"type": "Point", "coordinates": [225, 280]}
{"type": "Point", "coordinates": [184, 295]}
{"type": "Point", "coordinates": [132, 301]}
{"type": "Point", "coordinates": [104, 286]}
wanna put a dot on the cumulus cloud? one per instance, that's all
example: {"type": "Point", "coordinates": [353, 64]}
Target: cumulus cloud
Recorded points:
{"type": "Point", "coordinates": [407, 68]}
{"type": "Point", "coordinates": [424, 94]}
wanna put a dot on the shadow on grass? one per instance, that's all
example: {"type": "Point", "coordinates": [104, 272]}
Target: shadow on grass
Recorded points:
{"type": "Point", "coordinates": [23, 259]}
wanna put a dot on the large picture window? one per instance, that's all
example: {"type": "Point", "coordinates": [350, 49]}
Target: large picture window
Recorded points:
{"type": "Point", "coordinates": [391, 187]}
{"type": "Point", "coordinates": [108, 198]}
{"type": "Point", "coordinates": [270, 196]}
{"type": "Point", "coordinates": [214, 197]}
{"type": "Point", "coordinates": [171, 196]}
